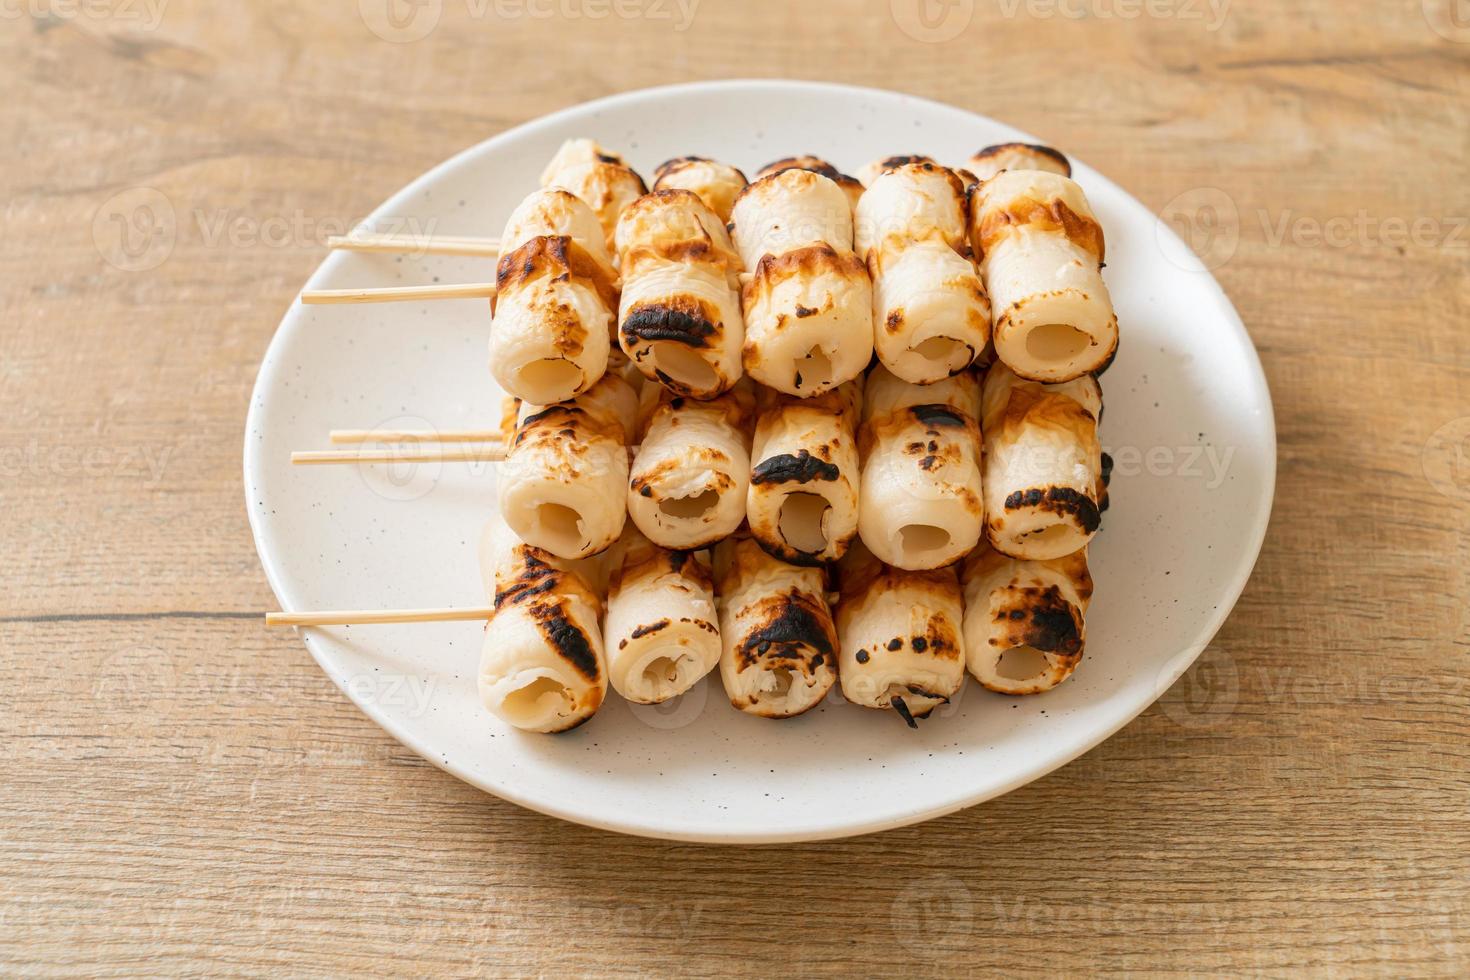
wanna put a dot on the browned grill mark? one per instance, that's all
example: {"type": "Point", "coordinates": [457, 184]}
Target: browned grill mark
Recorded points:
{"type": "Point", "coordinates": [1054, 215]}
{"type": "Point", "coordinates": [566, 637]}
{"type": "Point", "coordinates": [1000, 149]}
{"type": "Point", "coordinates": [558, 258]}
{"type": "Point", "coordinates": [651, 628]}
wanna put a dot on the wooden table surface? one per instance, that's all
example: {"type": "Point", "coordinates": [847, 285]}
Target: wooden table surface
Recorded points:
{"type": "Point", "coordinates": [184, 791]}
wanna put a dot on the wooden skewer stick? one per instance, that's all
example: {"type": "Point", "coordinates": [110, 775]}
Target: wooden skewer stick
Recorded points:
{"type": "Point", "coordinates": [369, 617]}
{"type": "Point", "coordinates": [357, 436]}
{"type": "Point", "coordinates": [489, 453]}
{"type": "Point", "coordinates": [393, 294]}
{"type": "Point", "coordinates": [421, 245]}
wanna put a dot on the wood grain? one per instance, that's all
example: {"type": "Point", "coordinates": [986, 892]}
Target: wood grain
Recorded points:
{"type": "Point", "coordinates": [184, 792]}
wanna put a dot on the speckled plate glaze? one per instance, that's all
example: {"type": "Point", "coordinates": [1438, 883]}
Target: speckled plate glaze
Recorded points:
{"type": "Point", "coordinates": [1188, 420]}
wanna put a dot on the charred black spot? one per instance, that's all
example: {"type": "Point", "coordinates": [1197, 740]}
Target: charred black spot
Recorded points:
{"type": "Point", "coordinates": [655, 322]}
{"type": "Point", "coordinates": [650, 628]}
{"type": "Point", "coordinates": [937, 415]}
{"type": "Point", "coordinates": [801, 468]}
{"type": "Point", "coordinates": [1053, 627]}
{"type": "Point", "coordinates": [904, 712]}
{"type": "Point", "coordinates": [645, 491]}
{"type": "Point", "coordinates": [1107, 469]}
{"type": "Point", "coordinates": [796, 625]}
{"type": "Point", "coordinates": [920, 644]}
{"type": "Point", "coordinates": [896, 643]}
{"type": "Point", "coordinates": [1059, 500]}
{"type": "Point", "coordinates": [862, 656]}
{"type": "Point", "coordinates": [806, 311]}
{"type": "Point", "coordinates": [894, 321]}
{"type": "Point", "coordinates": [567, 638]}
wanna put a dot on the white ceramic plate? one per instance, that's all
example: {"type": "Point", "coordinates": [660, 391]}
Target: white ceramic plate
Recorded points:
{"type": "Point", "coordinates": [1188, 420]}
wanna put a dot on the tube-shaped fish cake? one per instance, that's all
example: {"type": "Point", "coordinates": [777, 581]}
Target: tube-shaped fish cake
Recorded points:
{"type": "Point", "coordinates": [1025, 621]}
{"type": "Point", "coordinates": [717, 184]}
{"type": "Point", "coordinates": [931, 317]}
{"type": "Point", "coordinates": [1041, 252]}
{"type": "Point", "coordinates": [779, 646]}
{"type": "Point", "coordinates": [872, 171]}
{"type": "Point", "coordinates": [600, 178]}
{"type": "Point", "coordinates": [803, 500]}
{"type": "Point", "coordinates": [563, 485]}
{"type": "Point", "coordinates": [680, 319]}
{"type": "Point", "coordinates": [661, 633]}
{"type": "Point", "coordinates": [851, 187]}
{"type": "Point", "coordinates": [691, 476]}
{"type": "Point", "coordinates": [922, 504]}
{"type": "Point", "coordinates": [556, 300]}
{"type": "Point", "coordinates": [541, 663]}
{"type": "Point", "coordinates": [1018, 156]}
{"type": "Point", "coordinates": [808, 300]}
{"type": "Point", "coordinates": [900, 635]}
{"type": "Point", "coordinates": [1043, 464]}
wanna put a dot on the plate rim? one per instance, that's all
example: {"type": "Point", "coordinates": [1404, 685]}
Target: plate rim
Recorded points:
{"type": "Point", "coordinates": [1181, 253]}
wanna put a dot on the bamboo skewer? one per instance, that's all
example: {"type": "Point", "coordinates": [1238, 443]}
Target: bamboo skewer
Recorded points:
{"type": "Point", "coordinates": [393, 294]}
{"type": "Point", "coordinates": [490, 453]}
{"type": "Point", "coordinates": [423, 245]}
{"type": "Point", "coordinates": [355, 436]}
{"type": "Point", "coordinates": [371, 617]}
